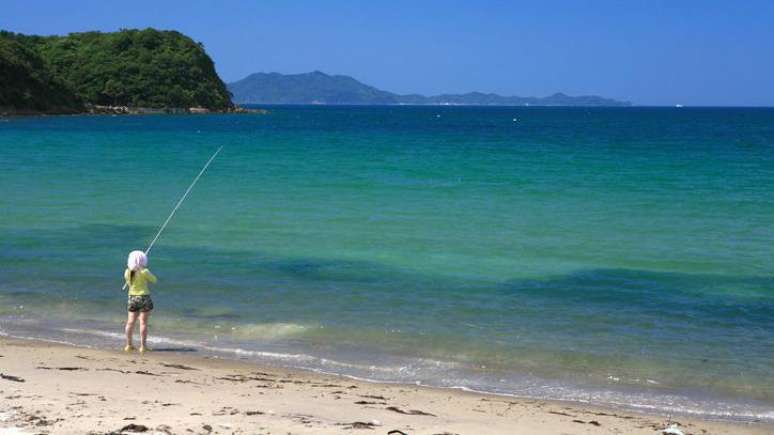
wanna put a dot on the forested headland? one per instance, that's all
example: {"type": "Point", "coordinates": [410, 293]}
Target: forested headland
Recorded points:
{"type": "Point", "coordinates": [135, 68]}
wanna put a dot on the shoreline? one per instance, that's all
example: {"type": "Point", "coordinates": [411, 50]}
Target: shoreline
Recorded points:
{"type": "Point", "coordinates": [126, 110]}
{"type": "Point", "coordinates": [56, 388]}
{"type": "Point", "coordinates": [678, 403]}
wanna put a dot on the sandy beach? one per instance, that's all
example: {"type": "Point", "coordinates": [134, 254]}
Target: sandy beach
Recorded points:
{"type": "Point", "coordinates": [58, 389]}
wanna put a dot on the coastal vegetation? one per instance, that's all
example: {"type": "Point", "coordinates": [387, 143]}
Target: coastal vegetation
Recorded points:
{"type": "Point", "coordinates": [134, 68]}
{"type": "Point", "coordinates": [27, 85]}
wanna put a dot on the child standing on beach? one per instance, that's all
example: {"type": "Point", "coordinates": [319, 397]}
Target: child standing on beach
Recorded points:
{"type": "Point", "coordinates": [140, 304]}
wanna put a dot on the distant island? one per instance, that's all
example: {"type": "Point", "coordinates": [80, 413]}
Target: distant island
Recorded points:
{"type": "Point", "coordinates": [117, 71]}
{"type": "Point", "coordinates": [320, 88]}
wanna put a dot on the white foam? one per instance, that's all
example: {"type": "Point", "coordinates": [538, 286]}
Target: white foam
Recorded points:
{"type": "Point", "coordinates": [46, 340]}
{"type": "Point", "coordinates": [198, 345]}
{"type": "Point", "coordinates": [268, 331]}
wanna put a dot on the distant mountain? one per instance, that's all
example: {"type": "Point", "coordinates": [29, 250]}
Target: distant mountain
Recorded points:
{"type": "Point", "coordinates": [320, 88]}
{"type": "Point", "coordinates": [310, 88]}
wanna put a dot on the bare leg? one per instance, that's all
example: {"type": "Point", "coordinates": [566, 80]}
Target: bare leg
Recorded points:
{"type": "Point", "coordinates": [129, 330]}
{"type": "Point", "coordinates": [143, 329]}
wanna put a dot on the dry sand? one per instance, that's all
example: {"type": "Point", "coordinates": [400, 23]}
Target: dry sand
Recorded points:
{"type": "Point", "coordinates": [57, 389]}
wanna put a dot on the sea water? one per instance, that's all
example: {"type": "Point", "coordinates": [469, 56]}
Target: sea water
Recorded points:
{"type": "Point", "coordinates": [620, 256]}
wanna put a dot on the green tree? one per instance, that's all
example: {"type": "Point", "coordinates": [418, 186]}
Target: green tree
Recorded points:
{"type": "Point", "coordinates": [148, 68]}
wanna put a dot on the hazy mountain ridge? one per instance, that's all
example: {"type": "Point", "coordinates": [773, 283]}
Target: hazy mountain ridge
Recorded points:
{"type": "Point", "coordinates": [319, 88]}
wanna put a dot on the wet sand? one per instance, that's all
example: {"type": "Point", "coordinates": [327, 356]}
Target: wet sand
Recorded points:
{"type": "Point", "coordinates": [57, 389]}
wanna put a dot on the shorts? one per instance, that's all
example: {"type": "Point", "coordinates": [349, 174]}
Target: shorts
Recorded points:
{"type": "Point", "coordinates": [142, 303]}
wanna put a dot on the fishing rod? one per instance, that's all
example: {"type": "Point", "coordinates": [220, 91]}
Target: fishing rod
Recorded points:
{"type": "Point", "coordinates": [182, 198]}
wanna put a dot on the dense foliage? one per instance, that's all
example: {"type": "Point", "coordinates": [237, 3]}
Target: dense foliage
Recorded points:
{"type": "Point", "coordinates": [320, 88]}
{"type": "Point", "coordinates": [139, 68]}
{"type": "Point", "coordinates": [27, 85]}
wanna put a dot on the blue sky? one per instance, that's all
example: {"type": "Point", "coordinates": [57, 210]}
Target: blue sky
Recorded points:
{"type": "Point", "coordinates": [650, 52]}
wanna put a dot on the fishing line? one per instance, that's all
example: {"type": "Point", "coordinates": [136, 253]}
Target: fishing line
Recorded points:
{"type": "Point", "coordinates": [187, 191]}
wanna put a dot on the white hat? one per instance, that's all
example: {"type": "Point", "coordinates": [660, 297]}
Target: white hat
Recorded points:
{"type": "Point", "coordinates": [137, 260]}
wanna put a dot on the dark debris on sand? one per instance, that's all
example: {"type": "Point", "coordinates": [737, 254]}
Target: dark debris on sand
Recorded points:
{"type": "Point", "coordinates": [37, 420]}
{"type": "Point", "coordinates": [409, 411]}
{"type": "Point", "coordinates": [133, 428]}
{"type": "Point", "coordinates": [243, 378]}
{"type": "Point", "coordinates": [128, 372]}
{"type": "Point", "coordinates": [358, 425]}
{"type": "Point", "coordinates": [66, 369]}
{"type": "Point", "coordinates": [178, 366]}
{"type": "Point", "coordinates": [371, 396]}
{"type": "Point", "coordinates": [592, 422]}
{"type": "Point", "coordinates": [11, 378]}
{"type": "Point", "coordinates": [129, 428]}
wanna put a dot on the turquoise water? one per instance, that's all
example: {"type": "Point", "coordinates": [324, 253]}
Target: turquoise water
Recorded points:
{"type": "Point", "coordinates": [622, 256]}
